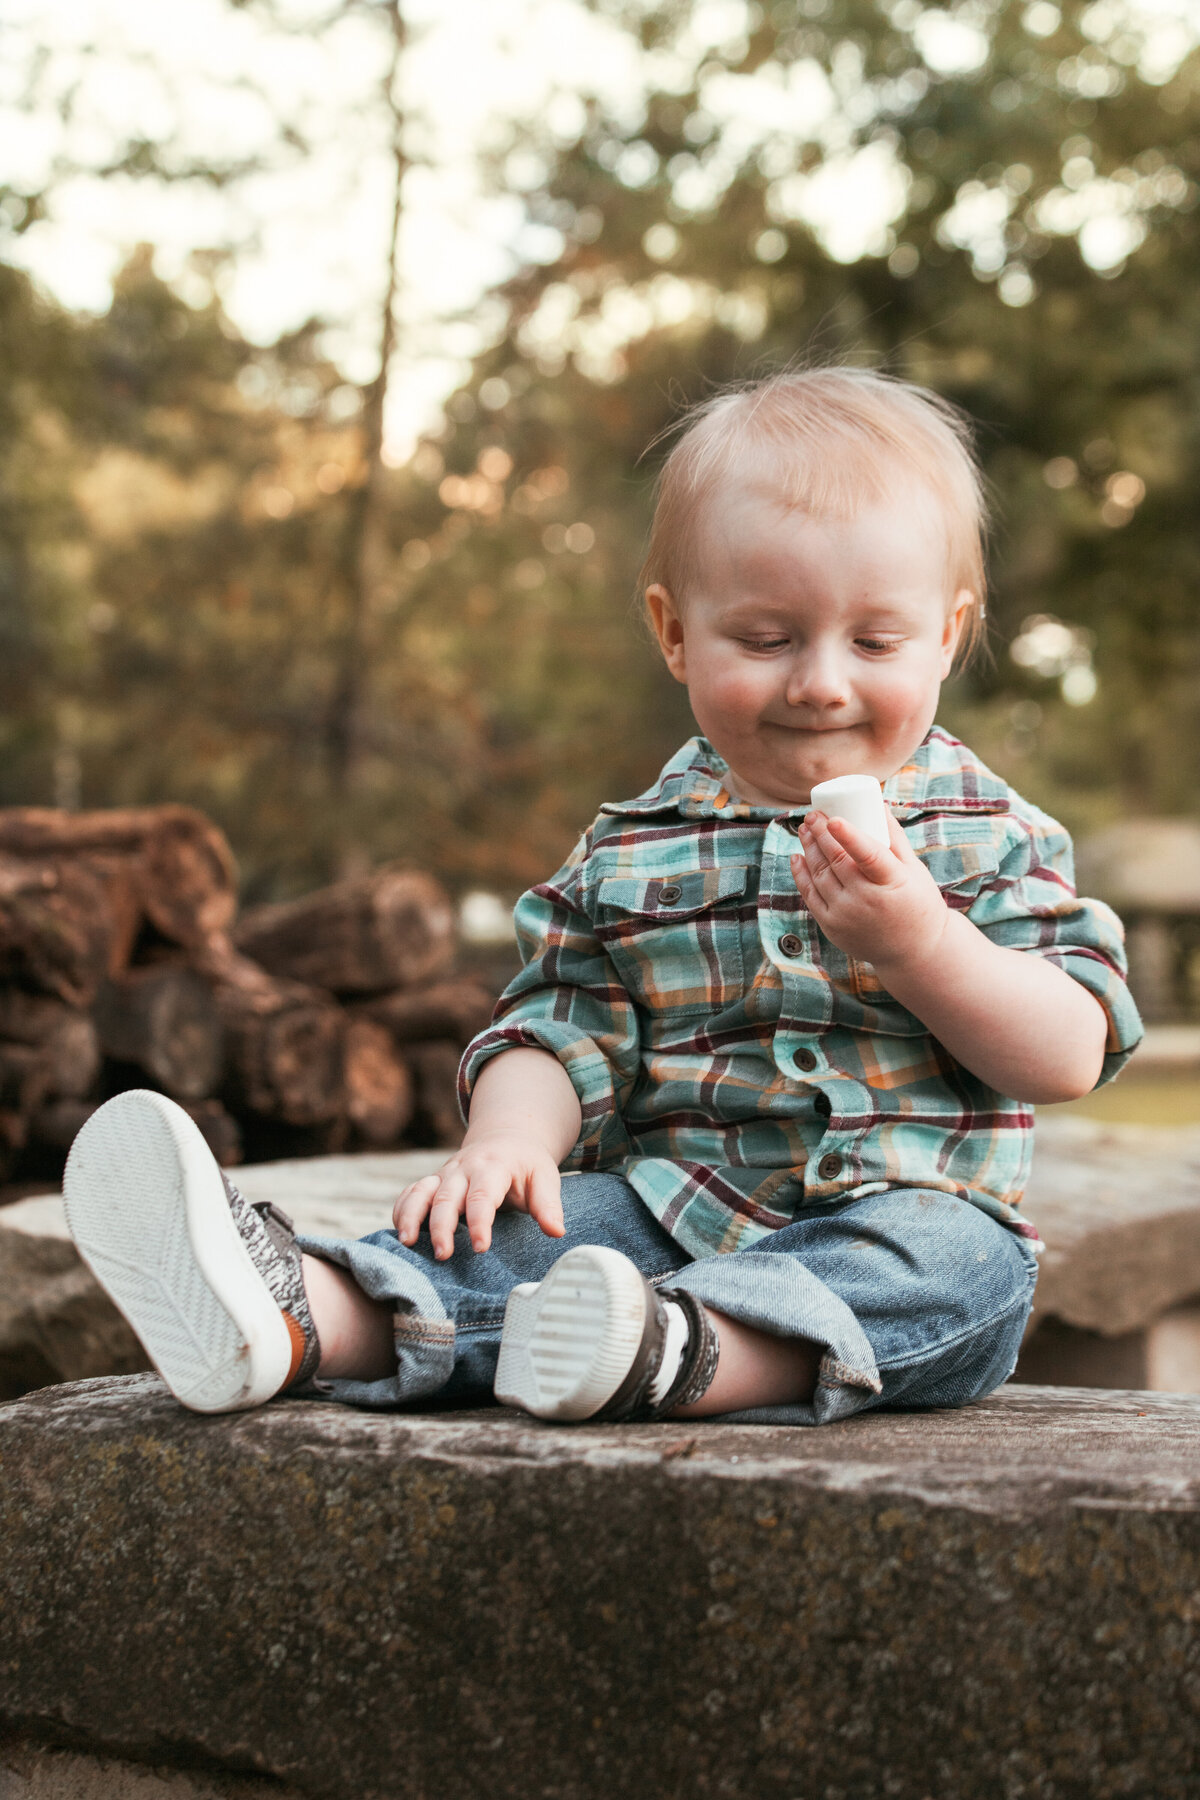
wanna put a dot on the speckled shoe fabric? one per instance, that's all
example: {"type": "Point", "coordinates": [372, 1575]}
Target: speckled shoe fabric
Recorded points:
{"type": "Point", "coordinates": [594, 1340]}
{"type": "Point", "coordinates": [211, 1283]}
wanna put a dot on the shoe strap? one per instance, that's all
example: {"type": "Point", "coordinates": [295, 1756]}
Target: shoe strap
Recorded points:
{"type": "Point", "coordinates": [698, 1364]}
{"type": "Point", "coordinates": [267, 1209]}
{"type": "Point", "coordinates": [630, 1399]}
{"type": "Point", "coordinates": [631, 1403]}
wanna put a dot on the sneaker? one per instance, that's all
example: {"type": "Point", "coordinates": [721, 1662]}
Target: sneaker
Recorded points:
{"type": "Point", "coordinates": [594, 1340]}
{"type": "Point", "coordinates": [210, 1283]}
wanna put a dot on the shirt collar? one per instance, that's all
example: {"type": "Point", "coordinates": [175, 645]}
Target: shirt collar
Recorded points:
{"type": "Point", "coordinates": [942, 776]}
{"type": "Point", "coordinates": [694, 783]}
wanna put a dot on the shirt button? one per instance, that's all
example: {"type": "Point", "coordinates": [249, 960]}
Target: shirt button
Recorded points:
{"type": "Point", "coordinates": [805, 1059]}
{"type": "Point", "coordinates": [791, 945]}
{"type": "Point", "coordinates": [829, 1166]}
{"type": "Point", "coordinates": [669, 894]}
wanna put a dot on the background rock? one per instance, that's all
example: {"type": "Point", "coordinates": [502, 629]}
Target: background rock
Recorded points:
{"type": "Point", "coordinates": [1119, 1209]}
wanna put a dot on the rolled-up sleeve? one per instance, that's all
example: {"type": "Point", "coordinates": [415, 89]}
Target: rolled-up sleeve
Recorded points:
{"type": "Point", "coordinates": [569, 1000]}
{"type": "Point", "coordinates": [1030, 903]}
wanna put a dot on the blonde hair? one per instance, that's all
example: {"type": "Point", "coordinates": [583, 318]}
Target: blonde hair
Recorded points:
{"type": "Point", "coordinates": [828, 439]}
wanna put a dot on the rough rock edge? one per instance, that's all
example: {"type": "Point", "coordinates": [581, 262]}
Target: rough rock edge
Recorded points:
{"type": "Point", "coordinates": [33, 1768]}
{"type": "Point", "coordinates": [1020, 1452]}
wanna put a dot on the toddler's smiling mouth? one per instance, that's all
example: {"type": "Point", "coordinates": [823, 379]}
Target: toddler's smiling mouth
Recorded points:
{"type": "Point", "coordinates": [811, 730]}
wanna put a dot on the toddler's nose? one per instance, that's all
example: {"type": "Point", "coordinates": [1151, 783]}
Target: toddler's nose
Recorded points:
{"type": "Point", "coordinates": [819, 682]}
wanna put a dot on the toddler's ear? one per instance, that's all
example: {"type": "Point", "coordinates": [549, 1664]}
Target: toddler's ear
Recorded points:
{"type": "Point", "coordinates": [956, 619]}
{"type": "Point", "coordinates": [668, 628]}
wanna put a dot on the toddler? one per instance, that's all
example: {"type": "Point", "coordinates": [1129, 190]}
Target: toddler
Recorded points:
{"type": "Point", "coordinates": [791, 1070]}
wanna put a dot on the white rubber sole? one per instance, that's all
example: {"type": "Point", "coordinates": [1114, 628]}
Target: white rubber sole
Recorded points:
{"type": "Point", "coordinates": [570, 1340]}
{"type": "Point", "coordinates": [147, 1208]}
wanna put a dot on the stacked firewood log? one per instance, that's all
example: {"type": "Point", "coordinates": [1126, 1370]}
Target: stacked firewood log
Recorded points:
{"type": "Point", "coordinates": [331, 1022]}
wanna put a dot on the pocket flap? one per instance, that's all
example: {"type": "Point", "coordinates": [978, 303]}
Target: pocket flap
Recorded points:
{"type": "Point", "coordinates": [673, 896]}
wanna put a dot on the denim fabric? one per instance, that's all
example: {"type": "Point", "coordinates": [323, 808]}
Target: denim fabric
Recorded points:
{"type": "Point", "coordinates": [919, 1298]}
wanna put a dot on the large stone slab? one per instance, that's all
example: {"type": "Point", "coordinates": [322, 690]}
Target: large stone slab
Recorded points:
{"type": "Point", "coordinates": [983, 1605]}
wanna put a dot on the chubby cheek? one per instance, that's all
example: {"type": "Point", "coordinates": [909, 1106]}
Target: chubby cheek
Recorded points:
{"type": "Point", "coordinates": [727, 698]}
{"type": "Point", "coordinates": [903, 705]}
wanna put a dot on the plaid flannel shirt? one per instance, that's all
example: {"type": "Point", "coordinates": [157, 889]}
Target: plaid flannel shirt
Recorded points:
{"type": "Point", "coordinates": [731, 1062]}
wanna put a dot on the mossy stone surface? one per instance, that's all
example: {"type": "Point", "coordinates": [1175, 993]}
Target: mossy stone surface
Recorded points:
{"type": "Point", "coordinates": [1002, 1601]}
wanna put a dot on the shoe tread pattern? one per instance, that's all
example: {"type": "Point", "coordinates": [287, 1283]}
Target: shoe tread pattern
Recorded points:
{"type": "Point", "coordinates": [567, 1345]}
{"type": "Point", "coordinates": [126, 1207]}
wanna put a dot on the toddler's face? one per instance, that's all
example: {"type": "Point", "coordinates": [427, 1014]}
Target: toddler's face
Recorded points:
{"type": "Point", "coordinates": [813, 647]}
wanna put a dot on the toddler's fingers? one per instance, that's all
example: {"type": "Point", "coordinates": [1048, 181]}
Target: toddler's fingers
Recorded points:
{"type": "Point", "coordinates": [408, 1214]}
{"type": "Point", "coordinates": [867, 854]}
{"type": "Point", "coordinates": [445, 1212]}
{"type": "Point", "coordinates": [820, 850]}
{"type": "Point", "coordinates": [838, 853]}
{"type": "Point", "coordinates": [545, 1201]}
{"type": "Point", "coordinates": [803, 880]}
{"type": "Point", "coordinates": [485, 1195]}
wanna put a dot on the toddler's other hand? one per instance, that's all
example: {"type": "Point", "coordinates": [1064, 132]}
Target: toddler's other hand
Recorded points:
{"type": "Point", "coordinates": [877, 902]}
{"type": "Point", "coordinates": [491, 1170]}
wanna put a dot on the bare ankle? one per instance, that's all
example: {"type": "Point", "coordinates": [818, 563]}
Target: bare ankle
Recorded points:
{"type": "Point", "coordinates": [756, 1368]}
{"type": "Point", "coordinates": [355, 1331]}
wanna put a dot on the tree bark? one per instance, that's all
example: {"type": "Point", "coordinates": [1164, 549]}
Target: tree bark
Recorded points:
{"type": "Point", "coordinates": [385, 930]}
{"type": "Point", "coordinates": [65, 1039]}
{"type": "Point", "coordinates": [64, 925]}
{"type": "Point", "coordinates": [367, 556]}
{"type": "Point", "coordinates": [24, 1084]}
{"type": "Point", "coordinates": [56, 1123]}
{"type": "Point", "coordinates": [49, 1057]}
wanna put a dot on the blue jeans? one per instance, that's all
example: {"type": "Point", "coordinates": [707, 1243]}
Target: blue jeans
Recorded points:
{"type": "Point", "coordinates": [918, 1299]}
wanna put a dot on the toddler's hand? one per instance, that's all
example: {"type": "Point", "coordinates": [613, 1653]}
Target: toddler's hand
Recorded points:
{"type": "Point", "coordinates": [494, 1169]}
{"type": "Point", "coordinates": [877, 902]}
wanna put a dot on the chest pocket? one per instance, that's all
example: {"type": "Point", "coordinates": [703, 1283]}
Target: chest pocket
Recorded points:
{"type": "Point", "coordinates": [962, 853]}
{"type": "Point", "coordinates": [676, 939]}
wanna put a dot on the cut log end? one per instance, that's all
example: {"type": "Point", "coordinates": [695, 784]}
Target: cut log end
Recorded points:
{"type": "Point", "coordinates": [390, 929]}
{"type": "Point", "coordinates": [380, 1094]}
{"type": "Point", "coordinates": [164, 1020]}
{"type": "Point", "coordinates": [286, 1053]}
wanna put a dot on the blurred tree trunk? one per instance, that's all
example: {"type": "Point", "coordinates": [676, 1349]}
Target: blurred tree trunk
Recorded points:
{"type": "Point", "coordinates": [367, 546]}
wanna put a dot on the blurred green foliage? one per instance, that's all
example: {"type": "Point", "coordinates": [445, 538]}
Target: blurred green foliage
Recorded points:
{"type": "Point", "coordinates": [180, 510]}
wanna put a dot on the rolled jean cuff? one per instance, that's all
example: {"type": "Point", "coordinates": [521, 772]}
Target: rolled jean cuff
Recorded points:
{"type": "Point", "coordinates": [423, 1330]}
{"type": "Point", "coordinates": [780, 1296]}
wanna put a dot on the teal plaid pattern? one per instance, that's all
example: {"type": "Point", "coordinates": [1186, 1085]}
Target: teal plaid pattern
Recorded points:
{"type": "Point", "coordinates": [732, 1063]}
